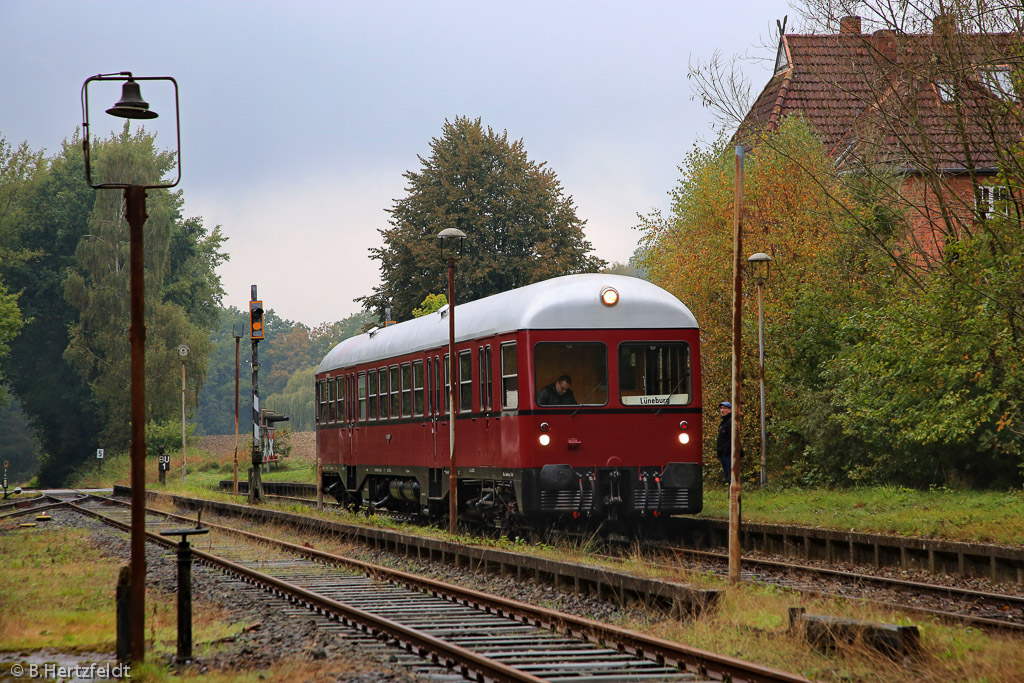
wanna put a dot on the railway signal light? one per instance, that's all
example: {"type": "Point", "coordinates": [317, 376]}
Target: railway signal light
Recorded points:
{"type": "Point", "coordinates": [256, 319]}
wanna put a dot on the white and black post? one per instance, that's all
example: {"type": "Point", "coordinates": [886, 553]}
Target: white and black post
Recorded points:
{"type": "Point", "coordinates": [256, 330]}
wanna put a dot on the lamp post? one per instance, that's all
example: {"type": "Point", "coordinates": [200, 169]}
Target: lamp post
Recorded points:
{"type": "Point", "coordinates": [183, 352]}
{"type": "Point", "coordinates": [452, 240]}
{"type": "Point", "coordinates": [758, 262]}
{"type": "Point", "coordinates": [132, 106]}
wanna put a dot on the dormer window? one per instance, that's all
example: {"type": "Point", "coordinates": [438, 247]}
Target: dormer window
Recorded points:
{"type": "Point", "coordinates": [781, 59]}
{"type": "Point", "coordinates": [946, 91]}
{"type": "Point", "coordinates": [999, 81]}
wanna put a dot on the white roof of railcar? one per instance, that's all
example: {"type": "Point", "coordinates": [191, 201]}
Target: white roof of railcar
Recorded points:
{"type": "Point", "coordinates": [568, 302]}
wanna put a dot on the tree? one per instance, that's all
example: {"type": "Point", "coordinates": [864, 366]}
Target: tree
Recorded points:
{"type": "Point", "coordinates": [520, 227]}
{"type": "Point", "coordinates": [901, 354]}
{"type": "Point", "coordinates": [790, 215]}
{"type": "Point", "coordinates": [432, 303]}
{"type": "Point", "coordinates": [179, 270]}
{"type": "Point", "coordinates": [52, 210]}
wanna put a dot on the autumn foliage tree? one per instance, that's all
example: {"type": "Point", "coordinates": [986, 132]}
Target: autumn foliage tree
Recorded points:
{"type": "Point", "coordinates": [520, 226]}
{"type": "Point", "coordinates": [790, 214]}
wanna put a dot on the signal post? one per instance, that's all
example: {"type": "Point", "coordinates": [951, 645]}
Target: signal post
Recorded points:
{"type": "Point", "coordinates": [256, 330]}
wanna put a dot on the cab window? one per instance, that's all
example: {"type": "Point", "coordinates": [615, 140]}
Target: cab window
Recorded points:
{"type": "Point", "coordinates": [654, 373]}
{"type": "Point", "coordinates": [574, 373]}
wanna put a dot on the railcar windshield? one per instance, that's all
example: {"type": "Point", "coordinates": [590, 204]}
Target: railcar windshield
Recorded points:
{"type": "Point", "coordinates": [654, 373]}
{"type": "Point", "coordinates": [570, 374]}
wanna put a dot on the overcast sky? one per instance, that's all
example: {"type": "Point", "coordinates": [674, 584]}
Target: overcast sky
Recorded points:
{"type": "Point", "coordinates": [298, 119]}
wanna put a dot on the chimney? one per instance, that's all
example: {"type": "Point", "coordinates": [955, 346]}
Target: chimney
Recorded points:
{"type": "Point", "coordinates": [944, 24]}
{"type": "Point", "coordinates": [883, 42]}
{"type": "Point", "coordinates": [849, 26]}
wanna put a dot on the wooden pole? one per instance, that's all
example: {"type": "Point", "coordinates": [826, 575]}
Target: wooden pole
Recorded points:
{"type": "Point", "coordinates": [737, 317]}
{"type": "Point", "coordinates": [135, 212]}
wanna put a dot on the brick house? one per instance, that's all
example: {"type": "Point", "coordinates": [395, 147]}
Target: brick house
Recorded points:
{"type": "Point", "coordinates": [934, 115]}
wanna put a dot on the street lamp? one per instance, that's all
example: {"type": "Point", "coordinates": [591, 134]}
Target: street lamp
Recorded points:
{"type": "Point", "coordinates": [452, 240]}
{"type": "Point", "coordinates": [761, 262]}
{"type": "Point", "coordinates": [132, 106]}
{"type": "Point", "coordinates": [183, 353]}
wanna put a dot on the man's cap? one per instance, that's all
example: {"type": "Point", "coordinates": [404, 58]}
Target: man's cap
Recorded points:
{"type": "Point", "coordinates": [725, 404]}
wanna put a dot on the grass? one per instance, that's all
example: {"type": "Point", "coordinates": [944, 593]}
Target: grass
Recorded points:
{"type": "Point", "coordinates": [971, 516]}
{"type": "Point", "coordinates": [59, 594]}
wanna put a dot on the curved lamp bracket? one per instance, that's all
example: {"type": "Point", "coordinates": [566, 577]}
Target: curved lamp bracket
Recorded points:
{"type": "Point", "coordinates": [131, 106]}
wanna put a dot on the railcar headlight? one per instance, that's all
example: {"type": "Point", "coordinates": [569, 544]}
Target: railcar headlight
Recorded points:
{"type": "Point", "coordinates": [609, 296]}
{"type": "Point", "coordinates": [684, 438]}
{"type": "Point", "coordinates": [544, 439]}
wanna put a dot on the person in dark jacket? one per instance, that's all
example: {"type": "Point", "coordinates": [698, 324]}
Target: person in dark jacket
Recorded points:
{"type": "Point", "coordinates": [725, 439]}
{"type": "Point", "coordinates": [558, 393]}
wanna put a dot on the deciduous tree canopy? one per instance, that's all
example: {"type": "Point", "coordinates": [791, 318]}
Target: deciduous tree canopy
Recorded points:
{"type": "Point", "coordinates": [520, 227]}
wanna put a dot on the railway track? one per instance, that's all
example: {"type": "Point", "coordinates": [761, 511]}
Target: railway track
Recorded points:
{"type": "Point", "coordinates": [981, 609]}
{"type": "Point", "coordinates": [991, 611]}
{"type": "Point", "coordinates": [481, 637]}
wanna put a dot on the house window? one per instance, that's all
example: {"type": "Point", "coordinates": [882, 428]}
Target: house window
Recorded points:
{"type": "Point", "coordinates": [991, 200]}
{"type": "Point", "coordinates": [999, 81]}
{"type": "Point", "coordinates": [946, 91]}
{"type": "Point", "coordinates": [509, 377]}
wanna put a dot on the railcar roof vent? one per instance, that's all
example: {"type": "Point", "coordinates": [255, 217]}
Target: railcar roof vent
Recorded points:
{"type": "Point", "coordinates": [373, 330]}
{"type": "Point", "coordinates": [443, 311]}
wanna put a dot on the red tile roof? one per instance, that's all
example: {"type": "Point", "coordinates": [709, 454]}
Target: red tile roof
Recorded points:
{"type": "Point", "coordinates": [874, 97]}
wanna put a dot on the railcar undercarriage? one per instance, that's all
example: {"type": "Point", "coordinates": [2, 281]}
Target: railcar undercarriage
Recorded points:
{"type": "Point", "coordinates": [548, 496]}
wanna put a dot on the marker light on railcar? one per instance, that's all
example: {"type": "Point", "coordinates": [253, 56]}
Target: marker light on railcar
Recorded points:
{"type": "Point", "coordinates": [684, 438]}
{"type": "Point", "coordinates": [544, 439]}
{"type": "Point", "coordinates": [609, 296]}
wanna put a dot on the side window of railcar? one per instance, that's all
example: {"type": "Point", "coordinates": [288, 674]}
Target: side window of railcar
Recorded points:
{"type": "Point", "coordinates": [465, 381]}
{"type": "Point", "coordinates": [574, 373]}
{"type": "Point", "coordinates": [331, 414]}
{"type": "Point", "coordinates": [395, 388]}
{"type": "Point", "coordinates": [654, 373]}
{"type": "Point", "coordinates": [486, 381]}
{"type": "Point", "coordinates": [382, 396]}
{"type": "Point", "coordinates": [371, 391]}
{"type": "Point", "coordinates": [317, 385]}
{"type": "Point", "coordinates": [361, 394]}
{"type": "Point", "coordinates": [406, 390]}
{"type": "Point", "coordinates": [417, 388]}
{"type": "Point", "coordinates": [323, 401]}
{"type": "Point", "coordinates": [439, 399]}
{"type": "Point", "coordinates": [446, 398]}
{"type": "Point", "coordinates": [339, 394]}
{"type": "Point", "coordinates": [509, 377]}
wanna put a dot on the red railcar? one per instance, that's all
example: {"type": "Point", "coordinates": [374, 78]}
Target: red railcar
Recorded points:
{"type": "Point", "coordinates": [624, 442]}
